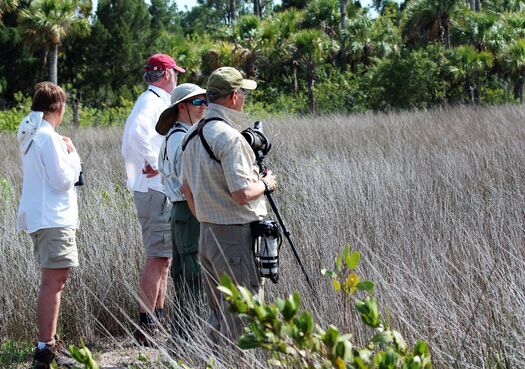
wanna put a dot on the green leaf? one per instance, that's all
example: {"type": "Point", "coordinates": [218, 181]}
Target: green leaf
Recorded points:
{"type": "Point", "coordinates": [351, 282]}
{"type": "Point", "coordinates": [421, 348]}
{"type": "Point", "coordinates": [328, 273]}
{"type": "Point", "coordinates": [246, 295]}
{"type": "Point", "coordinates": [400, 341]}
{"type": "Point", "coordinates": [352, 261]}
{"type": "Point", "coordinates": [365, 286]}
{"type": "Point", "coordinates": [336, 284]}
{"type": "Point", "coordinates": [247, 342]}
{"type": "Point", "coordinates": [281, 304]}
{"type": "Point", "coordinates": [339, 263]}
{"type": "Point", "coordinates": [226, 281]}
{"type": "Point", "coordinates": [330, 336]}
{"type": "Point", "coordinates": [225, 290]}
{"type": "Point", "coordinates": [369, 311]}
{"type": "Point", "coordinates": [384, 337]}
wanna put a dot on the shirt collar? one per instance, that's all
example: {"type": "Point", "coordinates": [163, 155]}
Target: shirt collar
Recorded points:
{"type": "Point", "coordinates": [166, 97]}
{"type": "Point", "coordinates": [46, 124]}
{"type": "Point", "coordinates": [233, 117]}
{"type": "Point", "coordinates": [185, 125]}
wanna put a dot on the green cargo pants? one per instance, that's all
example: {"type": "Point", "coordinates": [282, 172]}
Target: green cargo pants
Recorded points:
{"type": "Point", "coordinates": [185, 268]}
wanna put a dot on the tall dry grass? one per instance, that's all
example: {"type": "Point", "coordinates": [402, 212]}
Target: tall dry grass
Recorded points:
{"type": "Point", "coordinates": [435, 202]}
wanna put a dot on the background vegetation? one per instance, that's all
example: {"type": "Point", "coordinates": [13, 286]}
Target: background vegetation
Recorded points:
{"type": "Point", "coordinates": [434, 202]}
{"type": "Point", "coordinates": [321, 56]}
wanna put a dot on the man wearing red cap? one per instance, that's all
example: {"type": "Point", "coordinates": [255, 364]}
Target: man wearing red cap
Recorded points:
{"type": "Point", "coordinates": [140, 149]}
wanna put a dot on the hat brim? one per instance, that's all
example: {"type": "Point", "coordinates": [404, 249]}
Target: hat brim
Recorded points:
{"type": "Point", "coordinates": [167, 119]}
{"type": "Point", "coordinates": [179, 69]}
{"type": "Point", "coordinates": [197, 92]}
{"type": "Point", "coordinates": [248, 84]}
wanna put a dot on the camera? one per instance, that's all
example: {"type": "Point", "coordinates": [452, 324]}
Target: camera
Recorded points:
{"type": "Point", "coordinates": [80, 181]}
{"type": "Point", "coordinates": [257, 140]}
{"type": "Point", "coordinates": [267, 242]}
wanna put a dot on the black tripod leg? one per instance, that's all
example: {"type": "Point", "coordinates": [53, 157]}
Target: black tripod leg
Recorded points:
{"type": "Point", "coordinates": [288, 237]}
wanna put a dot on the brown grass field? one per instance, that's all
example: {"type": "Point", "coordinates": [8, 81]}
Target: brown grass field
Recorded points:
{"type": "Point", "coordinates": [434, 201]}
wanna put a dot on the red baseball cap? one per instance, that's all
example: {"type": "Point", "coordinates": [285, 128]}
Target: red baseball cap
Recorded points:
{"type": "Point", "coordinates": [162, 62]}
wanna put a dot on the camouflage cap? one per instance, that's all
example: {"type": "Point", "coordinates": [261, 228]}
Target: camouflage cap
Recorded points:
{"type": "Point", "coordinates": [225, 80]}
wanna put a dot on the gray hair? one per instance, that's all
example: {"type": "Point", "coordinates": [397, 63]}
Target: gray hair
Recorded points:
{"type": "Point", "coordinates": [153, 76]}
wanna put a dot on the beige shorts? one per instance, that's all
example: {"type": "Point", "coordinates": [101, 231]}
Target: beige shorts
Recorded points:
{"type": "Point", "coordinates": [55, 248]}
{"type": "Point", "coordinates": [154, 211]}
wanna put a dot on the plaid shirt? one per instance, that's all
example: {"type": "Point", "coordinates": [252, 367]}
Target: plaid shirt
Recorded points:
{"type": "Point", "coordinates": [211, 182]}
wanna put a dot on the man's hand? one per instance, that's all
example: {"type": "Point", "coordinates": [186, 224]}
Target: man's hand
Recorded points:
{"type": "Point", "coordinates": [270, 179]}
{"type": "Point", "coordinates": [149, 171]}
{"type": "Point", "coordinates": [69, 144]}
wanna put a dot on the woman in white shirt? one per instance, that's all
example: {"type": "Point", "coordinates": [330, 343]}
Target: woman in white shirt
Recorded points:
{"type": "Point", "coordinates": [48, 209]}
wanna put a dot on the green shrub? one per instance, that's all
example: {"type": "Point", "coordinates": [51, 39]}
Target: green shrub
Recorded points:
{"type": "Point", "coordinates": [293, 340]}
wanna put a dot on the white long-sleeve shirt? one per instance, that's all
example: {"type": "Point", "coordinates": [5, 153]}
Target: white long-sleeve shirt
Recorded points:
{"type": "Point", "coordinates": [49, 197]}
{"type": "Point", "coordinates": [140, 142]}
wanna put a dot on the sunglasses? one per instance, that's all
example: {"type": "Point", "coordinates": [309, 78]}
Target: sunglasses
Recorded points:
{"type": "Point", "coordinates": [198, 102]}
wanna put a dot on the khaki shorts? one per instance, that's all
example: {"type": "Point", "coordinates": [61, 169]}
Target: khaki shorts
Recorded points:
{"type": "Point", "coordinates": [154, 210]}
{"type": "Point", "coordinates": [55, 248]}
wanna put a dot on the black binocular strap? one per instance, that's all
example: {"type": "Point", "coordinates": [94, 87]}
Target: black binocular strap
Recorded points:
{"type": "Point", "coordinates": [198, 131]}
{"type": "Point", "coordinates": [181, 129]}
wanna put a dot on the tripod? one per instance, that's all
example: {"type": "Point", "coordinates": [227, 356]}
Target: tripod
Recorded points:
{"type": "Point", "coordinates": [261, 146]}
{"type": "Point", "coordinates": [289, 238]}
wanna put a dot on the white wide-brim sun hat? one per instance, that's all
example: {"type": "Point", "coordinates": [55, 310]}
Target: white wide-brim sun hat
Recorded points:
{"type": "Point", "coordinates": [179, 94]}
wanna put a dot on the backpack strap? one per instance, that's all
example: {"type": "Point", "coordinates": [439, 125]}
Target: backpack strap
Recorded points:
{"type": "Point", "coordinates": [178, 129]}
{"type": "Point", "coordinates": [198, 131]}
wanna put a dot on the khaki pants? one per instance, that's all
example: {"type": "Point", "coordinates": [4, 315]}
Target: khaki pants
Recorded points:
{"type": "Point", "coordinates": [226, 249]}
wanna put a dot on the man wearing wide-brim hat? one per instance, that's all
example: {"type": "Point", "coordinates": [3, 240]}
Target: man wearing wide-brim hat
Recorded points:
{"type": "Point", "coordinates": [225, 190]}
{"type": "Point", "coordinates": [188, 104]}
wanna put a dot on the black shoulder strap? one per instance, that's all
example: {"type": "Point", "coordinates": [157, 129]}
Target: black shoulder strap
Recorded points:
{"type": "Point", "coordinates": [149, 89]}
{"type": "Point", "coordinates": [178, 129]}
{"type": "Point", "coordinates": [198, 131]}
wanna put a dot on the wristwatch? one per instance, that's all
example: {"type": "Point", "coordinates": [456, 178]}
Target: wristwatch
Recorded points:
{"type": "Point", "coordinates": [266, 186]}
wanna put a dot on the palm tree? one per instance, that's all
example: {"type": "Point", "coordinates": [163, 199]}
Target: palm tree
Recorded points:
{"type": "Point", "coordinates": [309, 48]}
{"type": "Point", "coordinates": [7, 6]}
{"type": "Point", "coordinates": [514, 59]}
{"type": "Point", "coordinates": [246, 34]}
{"type": "Point", "coordinates": [53, 20]}
{"type": "Point", "coordinates": [469, 65]}
{"type": "Point", "coordinates": [342, 11]}
{"type": "Point", "coordinates": [429, 20]}
{"type": "Point", "coordinates": [476, 29]}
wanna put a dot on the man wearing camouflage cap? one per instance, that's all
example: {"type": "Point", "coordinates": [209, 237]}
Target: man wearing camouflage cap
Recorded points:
{"type": "Point", "coordinates": [225, 191]}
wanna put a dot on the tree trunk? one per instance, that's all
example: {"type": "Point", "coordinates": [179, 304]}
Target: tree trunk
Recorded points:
{"type": "Point", "coordinates": [76, 110]}
{"type": "Point", "coordinates": [53, 62]}
{"type": "Point", "coordinates": [342, 10]}
{"type": "Point", "coordinates": [446, 31]}
{"type": "Point", "coordinates": [472, 5]}
{"type": "Point", "coordinates": [311, 97]}
{"type": "Point", "coordinates": [476, 93]}
{"type": "Point", "coordinates": [477, 5]}
{"type": "Point", "coordinates": [295, 82]}
{"type": "Point", "coordinates": [522, 83]}
{"type": "Point", "coordinates": [257, 8]}
{"type": "Point", "coordinates": [470, 91]}
{"type": "Point", "coordinates": [232, 11]}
